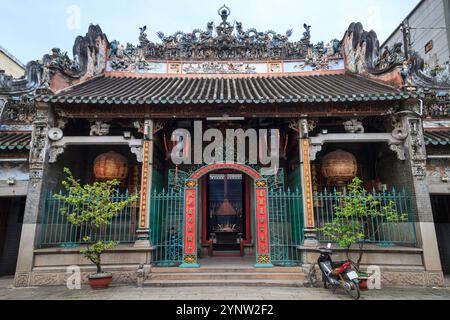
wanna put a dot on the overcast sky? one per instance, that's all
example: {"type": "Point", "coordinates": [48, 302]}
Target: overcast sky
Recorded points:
{"type": "Point", "coordinates": [30, 28]}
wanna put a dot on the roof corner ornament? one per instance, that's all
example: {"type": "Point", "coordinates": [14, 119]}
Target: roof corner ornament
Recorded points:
{"type": "Point", "coordinates": [225, 28]}
{"type": "Point", "coordinates": [306, 35]}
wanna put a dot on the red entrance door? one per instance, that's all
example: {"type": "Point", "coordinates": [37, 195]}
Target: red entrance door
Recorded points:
{"type": "Point", "coordinates": [226, 198]}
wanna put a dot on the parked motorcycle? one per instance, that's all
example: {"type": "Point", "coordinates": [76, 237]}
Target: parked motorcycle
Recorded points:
{"type": "Point", "coordinates": [335, 275]}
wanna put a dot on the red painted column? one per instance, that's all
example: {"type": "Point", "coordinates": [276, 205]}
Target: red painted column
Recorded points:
{"type": "Point", "coordinates": [190, 258]}
{"type": "Point", "coordinates": [262, 225]}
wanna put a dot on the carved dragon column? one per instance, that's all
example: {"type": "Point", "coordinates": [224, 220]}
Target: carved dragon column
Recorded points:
{"type": "Point", "coordinates": [143, 231]}
{"type": "Point", "coordinates": [38, 167]}
{"type": "Point", "coordinates": [304, 127]}
{"type": "Point", "coordinates": [416, 161]}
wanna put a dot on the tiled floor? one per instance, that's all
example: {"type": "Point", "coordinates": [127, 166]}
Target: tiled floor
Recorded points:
{"type": "Point", "coordinates": [7, 292]}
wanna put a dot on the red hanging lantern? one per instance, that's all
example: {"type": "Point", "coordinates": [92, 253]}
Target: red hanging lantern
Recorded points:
{"type": "Point", "coordinates": [339, 167]}
{"type": "Point", "coordinates": [109, 166]}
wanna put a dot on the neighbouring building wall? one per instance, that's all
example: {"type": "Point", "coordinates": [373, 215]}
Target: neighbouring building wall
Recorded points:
{"type": "Point", "coordinates": [10, 65]}
{"type": "Point", "coordinates": [428, 14]}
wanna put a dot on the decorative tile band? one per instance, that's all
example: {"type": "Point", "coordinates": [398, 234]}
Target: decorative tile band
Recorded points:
{"type": "Point", "coordinates": [144, 186]}
{"type": "Point", "coordinates": [262, 221]}
{"type": "Point", "coordinates": [307, 184]}
{"type": "Point", "coordinates": [190, 240]}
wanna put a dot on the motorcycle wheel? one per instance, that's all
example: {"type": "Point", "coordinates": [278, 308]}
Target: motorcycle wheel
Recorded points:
{"type": "Point", "coordinates": [352, 289]}
{"type": "Point", "coordinates": [312, 276]}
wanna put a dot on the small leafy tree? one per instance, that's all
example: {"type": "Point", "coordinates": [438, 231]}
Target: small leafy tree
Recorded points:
{"type": "Point", "coordinates": [353, 213]}
{"type": "Point", "coordinates": [92, 205]}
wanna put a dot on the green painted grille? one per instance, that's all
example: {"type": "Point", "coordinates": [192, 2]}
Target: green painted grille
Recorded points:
{"type": "Point", "coordinates": [376, 230]}
{"type": "Point", "coordinates": [56, 231]}
{"type": "Point", "coordinates": [166, 227]}
{"type": "Point", "coordinates": [285, 226]}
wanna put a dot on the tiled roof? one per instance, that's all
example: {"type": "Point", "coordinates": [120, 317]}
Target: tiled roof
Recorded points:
{"type": "Point", "coordinates": [226, 90]}
{"type": "Point", "coordinates": [437, 138]}
{"type": "Point", "coordinates": [15, 140]}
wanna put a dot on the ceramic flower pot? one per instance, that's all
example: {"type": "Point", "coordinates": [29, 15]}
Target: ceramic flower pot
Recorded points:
{"type": "Point", "coordinates": [100, 280]}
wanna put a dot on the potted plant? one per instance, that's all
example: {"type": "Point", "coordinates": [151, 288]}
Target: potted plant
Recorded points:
{"type": "Point", "coordinates": [351, 215]}
{"type": "Point", "coordinates": [93, 207]}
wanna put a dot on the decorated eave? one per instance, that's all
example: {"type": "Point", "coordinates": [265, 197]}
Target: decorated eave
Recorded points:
{"type": "Point", "coordinates": [228, 64]}
{"type": "Point", "coordinates": [225, 90]}
{"type": "Point", "coordinates": [15, 141]}
{"type": "Point", "coordinates": [439, 137]}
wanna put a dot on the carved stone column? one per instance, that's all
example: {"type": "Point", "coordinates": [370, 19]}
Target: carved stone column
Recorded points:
{"type": "Point", "coordinates": [416, 163]}
{"type": "Point", "coordinates": [143, 231]}
{"type": "Point", "coordinates": [305, 170]}
{"type": "Point", "coordinates": [38, 167]}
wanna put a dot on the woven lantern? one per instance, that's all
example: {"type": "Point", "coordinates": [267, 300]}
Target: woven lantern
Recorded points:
{"type": "Point", "coordinates": [339, 167]}
{"type": "Point", "coordinates": [109, 166]}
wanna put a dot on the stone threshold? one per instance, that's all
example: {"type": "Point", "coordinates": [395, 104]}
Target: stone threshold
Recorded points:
{"type": "Point", "coordinates": [89, 268]}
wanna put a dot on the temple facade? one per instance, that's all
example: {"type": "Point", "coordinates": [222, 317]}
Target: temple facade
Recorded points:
{"type": "Point", "coordinates": [239, 143]}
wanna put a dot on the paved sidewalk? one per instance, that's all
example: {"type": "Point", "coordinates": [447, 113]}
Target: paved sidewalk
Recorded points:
{"type": "Point", "coordinates": [7, 292]}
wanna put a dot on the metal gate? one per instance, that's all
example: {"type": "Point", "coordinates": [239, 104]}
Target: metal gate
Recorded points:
{"type": "Point", "coordinates": [285, 226]}
{"type": "Point", "coordinates": [166, 227]}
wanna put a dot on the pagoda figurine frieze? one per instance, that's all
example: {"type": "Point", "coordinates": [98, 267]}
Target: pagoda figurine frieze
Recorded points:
{"type": "Point", "coordinates": [226, 42]}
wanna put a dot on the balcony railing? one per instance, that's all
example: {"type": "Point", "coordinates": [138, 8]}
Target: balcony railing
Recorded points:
{"type": "Point", "coordinates": [57, 231]}
{"type": "Point", "coordinates": [376, 230]}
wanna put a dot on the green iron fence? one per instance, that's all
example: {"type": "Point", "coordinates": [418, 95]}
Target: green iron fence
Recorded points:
{"type": "Point", "coordinates": [376, 230]}
{"type": "Point", "coordinates": [285, 226]}
{"type": "Point", "coordinates": [166, 227]}
{"type": "Point", "coordinates": [57, 231]}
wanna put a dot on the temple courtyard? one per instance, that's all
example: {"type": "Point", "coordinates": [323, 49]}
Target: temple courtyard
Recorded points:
{"type": "Point", "coordinates": [8, 292]}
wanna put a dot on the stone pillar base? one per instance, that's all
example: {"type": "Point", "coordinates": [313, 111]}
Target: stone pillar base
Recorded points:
{"type": "Point", "coordinates": [22, 280]}
{"type": "Point", "coordinates": [310, 238]}
{"type": "Point", "coordinates": [143, 239]}
{"type": "Point", "coordinates": [311, 243]}
{"type": "Point", "coordinates": [142, 244]}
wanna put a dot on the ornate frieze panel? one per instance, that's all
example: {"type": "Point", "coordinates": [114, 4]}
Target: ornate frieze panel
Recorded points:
{"type": "Point", "coordinates": [225, 42]}
{"type": "Point", "coordinates": [228, 67]}
{"type": "Point", "coordinates": [18, 110]}
{"type": "Point", "coordinates": [416, 143]}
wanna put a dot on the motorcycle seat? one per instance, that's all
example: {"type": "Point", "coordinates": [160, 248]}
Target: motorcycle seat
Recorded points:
{"type": "Point", "coordinates": [337, 264]}
{"type": "Point", "coordinates": [324, 250]}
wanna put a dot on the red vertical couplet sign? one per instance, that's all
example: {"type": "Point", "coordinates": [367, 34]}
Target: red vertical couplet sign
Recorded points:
{"type": "Point", "coordinates": [190, 239]}
{"type": "Point", "coordinates": [262, 221]}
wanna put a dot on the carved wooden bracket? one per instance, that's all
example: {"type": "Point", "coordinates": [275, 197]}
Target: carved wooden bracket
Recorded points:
{"type": "Point", "coordinates": [57, 147]}
{"type": "Point", "coordinates": [317, 143]}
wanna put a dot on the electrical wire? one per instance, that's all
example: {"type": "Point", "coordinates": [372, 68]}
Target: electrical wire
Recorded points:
{"type": "Point", "coordinates": [437, 28]}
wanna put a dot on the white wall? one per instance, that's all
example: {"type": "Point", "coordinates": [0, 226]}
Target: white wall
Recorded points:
{"type": "Point", "coordinates": [430, 14]}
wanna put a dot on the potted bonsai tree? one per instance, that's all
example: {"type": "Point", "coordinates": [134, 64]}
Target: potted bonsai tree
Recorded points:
{"type": "Point", "coordinates": [352, 215]}
{"type": "Point", "coordinates": [92, 206]}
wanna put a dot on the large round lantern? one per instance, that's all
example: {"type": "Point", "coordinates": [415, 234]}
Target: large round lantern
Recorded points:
{"type": "Point", "coordinates": [339, 167]}
{"type": "Point", "coordinates": [109, 166]}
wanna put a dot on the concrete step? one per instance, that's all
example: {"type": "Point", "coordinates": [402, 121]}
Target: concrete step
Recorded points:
{"type": "Point", "coordinates": [224, 283]}
{"type": "Point", "coordinates": [226, 276]}
{"type": "Point", "coordinates": [224, 269]}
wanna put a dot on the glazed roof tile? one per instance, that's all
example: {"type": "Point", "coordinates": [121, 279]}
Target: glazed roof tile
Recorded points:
{"type": "Point", "coordinates": [226, 90]}
{"type": "Point", "coordinates": [15, 140]}
{"type": "Point", "coordinates": [437, 138]}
